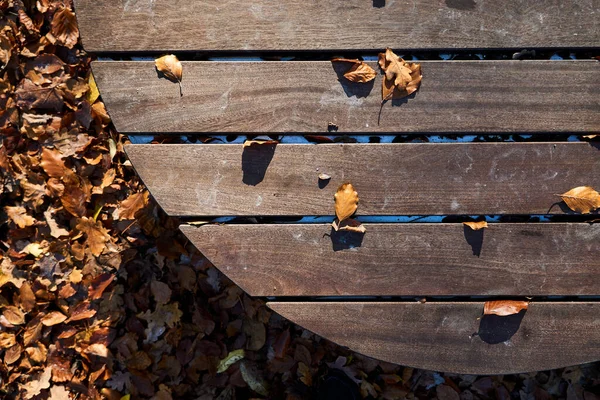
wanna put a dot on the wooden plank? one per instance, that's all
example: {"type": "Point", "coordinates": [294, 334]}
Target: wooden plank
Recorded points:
{"type": "Point", "coordinates": [455, 96]}
{"type": "Point", "coordinates": [439, 336]}
{"type": "Point", "coordinates": [391, 179]}
{"type": "Point", "coordinates": [160, 25]}
{"type": "Point", "coordinates": [421, 259]}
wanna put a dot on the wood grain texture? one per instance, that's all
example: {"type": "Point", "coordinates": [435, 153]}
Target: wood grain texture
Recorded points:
{"type": "Point", "coordinates": [421, 259]}
{"type": "Point", "coordinates": [391, 179]}
{"type": "Point", "coordinates": [438, 336]}
{"type": "Point", "coordinates": [160, 25]}
{"type": "Point", "coordinates": [455, 96]}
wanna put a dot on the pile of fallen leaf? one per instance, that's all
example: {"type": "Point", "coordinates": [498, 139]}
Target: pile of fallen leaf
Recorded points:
{"type": "Point", "coordinates": [101, 297]}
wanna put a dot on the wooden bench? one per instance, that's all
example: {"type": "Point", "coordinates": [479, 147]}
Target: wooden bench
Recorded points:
{"type": "Point", "coordinates": [360, 290]}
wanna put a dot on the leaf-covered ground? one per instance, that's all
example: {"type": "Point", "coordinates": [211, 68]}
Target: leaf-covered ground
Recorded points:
{"type": "Point", "coordinates": [101, 297]}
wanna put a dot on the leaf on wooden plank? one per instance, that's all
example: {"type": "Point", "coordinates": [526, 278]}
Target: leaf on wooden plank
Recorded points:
{"type": "Point", "coordinates": [97, 235]}
{"type": "Point", "coordinates": [476, 225]}
{"type": "Point", "coordinates": [582, 199]}
{"type": "Point", "coordinates": [504, 307]}
{"type": "Point", "coordinates": [14, 315]}
{"type": "Point", "coordinates": [18, 215]}
{"type": "Point", "coordinates": [64, 27]}
{"type": "Point", "coordinates": [359, 71]}
{"type": "Point", "coordinates": [53, 318]}
{"type": "Point", "coordinates": [249, 143]}
{"type": "Point", "coordinates": [349, 224]}
{"type": "Point", "coordinates": [133, 204]}
{"type": "Point", "coordinates": [401, 78]}
{"type": "Point", "coordinates": [233, 357]}
{"type": "Point", "coordinates": [346, 203]}
{"type": "Point", "coordinates": [171, 68]}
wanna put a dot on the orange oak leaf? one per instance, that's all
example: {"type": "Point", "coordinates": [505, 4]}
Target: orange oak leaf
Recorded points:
{"type": "Point", "coordinates": [171, 68]}
{"type": "Point", "coordinates": [476, 225]}
{"type": "Point", "coordinates": [64, 27]}
{"type": "Point", "coordinates": [132, 205]}
{"type": "Point", "coordinates": [359, 71]}
{"type": "Point", "coordinates": [53, 164]}
{"type": "Point", "coordinates": [401, 78]}
{"type": "Point", "coordinates": [19, 216]}
{"type": "Point", "coordinates": [582, 199]}
{"type": "Point", "coordinates": [97, 235]}
{"type": "Point", "coordinates": [504, 307]}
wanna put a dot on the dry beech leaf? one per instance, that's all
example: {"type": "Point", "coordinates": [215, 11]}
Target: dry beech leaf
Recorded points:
{"type": "Point", "coordinates": [401, 78]}
{"type": "Point", "coordinates": [14, 315]}
{"type": "Point", "coordinates": [171, 68]}
{"type": "Point", "coordinates": [359, 71]}
{"type": "Point", "coordinates": [38, 383]}
{"type": "Point", "coordinates": [249, 143]}
{"type": "Point", "coordinates": [476, 225]}
{"type": "Point", "coordinates": [133, 204]}
{"type": "Point", "coordinates": [97, 235]}
{"type": "Point", "coordinates": [53, 318]}
{"type": "Point", "coordinates": [19, 216]}
{"type": "Point", "coordinates": [504, 307]}
{"type": "Point", "coordinates": [582, 199]}
{"type": "Point", "coordinates": [64, 27]}
{"type": "Point", "coordinates": [346, 202]}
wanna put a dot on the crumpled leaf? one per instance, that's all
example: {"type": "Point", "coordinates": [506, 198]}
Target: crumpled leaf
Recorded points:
{"type": "Point", "coordinates": [97, 235]}
{"type": "Point", "coordinates": [64, 27]}
{"type": "Point", "coordinates": [171, 68]}
{"type": "Point", "coordinates": [476, 225]}
{"type": "Point", "coordinates": [233, 357]}
{"type": "Point", "coordinates": [582, 199]}
{"type": "Point", "coordinates": [359, 71]}
{"type": "Point", "coordinates": [504, 307]}
{"type": "Point", "coordinates": [401, 78]}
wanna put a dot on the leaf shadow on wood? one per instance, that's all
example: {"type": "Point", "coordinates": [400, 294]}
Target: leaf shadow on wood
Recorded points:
{"type": "Point", "coordinates": [474, 239]}
{"type": "Point", "coordinates": [378, 3]}
{"type": "Point", "coordinates": [494, 329]}
{"type": "Point", "coordinates": [345, 240]}
{"type": "Point", "coordinates": [566, 210]}
{"type": "Point", "coordinates": [323, 183]}
{"type": "Point", "coordinates": [351, 89]}
{"type": "Point", "coordinates": [255, 161]}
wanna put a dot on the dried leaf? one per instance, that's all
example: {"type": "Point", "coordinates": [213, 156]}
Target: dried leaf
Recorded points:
{"type": "Point", "coordinates": [349, 224]}
{"type": "Point", "coordinates": [171, 69]}
{"type": "Point", "coordinates": [81, 311]}
{"type": "Point", "coordinates": [19, 216]}
{"type": "Point", "coordinates": [97, 235]}
{"type": "Point", "coordinates": [7, 340]}
{"type": "Point", "coordinates": [133, 204]}
{"type": "Point", "coordinates": [253, 378]}
{"type": "Point", "coordinates": [582, 199]}
{"type": "Point", "coordinates": [14, 315]}
{"type": "Point", "coordinates": [304, 374]}
{"type": "Point", "coordinates": [53, 164]}
{"type": "Point", "coordinates": [476, 225]}
{"type": "Point", "coordinates": [64, 27]}
{"type": "Point", "coordinates": [26, 297]}
{"type": "Point", "coordinates": [38, 383]}
{"type": "Point", "coordinates": [401, 78]}
{"type": "Point", "coordinates": [98, 285]}
{"type": "Point", "coordinates": [233, 357]}
{"type": "Point", "coordinates": [92, 94]}
{"type": "Point", "coordinates": [53, 318]}
{"type": "Point", "coordinates": [346, 202]}
{"type": "Point", "coordinates": [504, 307]}
{"type": "Point", "coordinates": [324, 177]}
{"type": "Point", "coordinates": [359, 71]}
{"type": "Point", "coordinates": [249, 143]}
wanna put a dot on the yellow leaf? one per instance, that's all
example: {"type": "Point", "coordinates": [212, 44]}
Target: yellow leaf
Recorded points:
{"type": "Point", "coordinates": [504, 307]}
{"type": "Point", "coordinates": [401, 78]}
{"type": "Point", "coordinates": [233, 357]}
{"type": "Point", "coordinates": [346, 203]}
{"type": "Point", "coordinates": [126, 397]}
{"type": "Point", "coordinates": [359, 71]}
{"type": "Point", "coordinates": [582, 199]}
{"type": "Point", "coordinates": [92, 94]}
{"type": "Point", "coordinates": [476, 225]}
{"type": "Point", "coordinates": [171, 69]}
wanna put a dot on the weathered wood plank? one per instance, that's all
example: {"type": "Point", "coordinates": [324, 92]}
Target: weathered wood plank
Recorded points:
{"type": "Point", "coordinates": [405, 259]}
{"type": "Point", "coordinates": [455, 96]}
{"type": "Point", "coordinates": [160, 25]}
{"type": "Point", "coordinates": [391, 179]}
{"type": "Point", "coordinates": [438, 336]}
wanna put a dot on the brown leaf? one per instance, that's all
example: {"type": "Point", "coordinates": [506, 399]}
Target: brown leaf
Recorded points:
{"type": "Point", "coordinates": [19, 216]}
{"type": "Point", "coordinates": [346, 202]}
{"type": "Point", "coordinates": [401, 78]}
{"type": "Point", "coordinates": [55, 230]}
{"type": "Point", "coordinates": [64, 27]}
{"type": "Point", "coordinates": [359, 71]}
{"type": "Point", "coordinates": [171, 68]}
{"type": "Point", "coordinates": [53, 164]}
{"type": "Point", "coordinates": [249, 143]}
{"type": "Point", "coordinates": [504, 307]}
{"type": "Point", "coordinates": [73, 200]}
{"type": "Point", "coordinates": [14, 315]}
{"type": "Point", "coordinates": [476, 225]}
{"type": "Point", "coordinates": [7, 340]}
{"type": "Point", "coordinates": [582, 199]}
{"type": "Point", "coordinates": [349, 224]}
{"type": "Point", "coordinates": [98, 285]}
{"type": "Point", "coordinates": [304, 374]}
{"type": "Point", "coordinates": [81, 311]}
{"type": "Point", "coordinates": [133, 204]}
{"type": "Point", "coordinates": [26, 297]}
{"type": "Point", "coordinates": [37, 384]}
{"type": "Point", "coordinates": [53, 318]}
{"type": "Point", "coordinates": [97, 235]}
